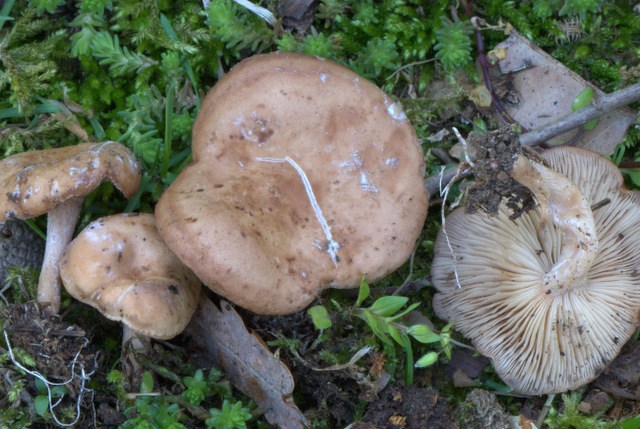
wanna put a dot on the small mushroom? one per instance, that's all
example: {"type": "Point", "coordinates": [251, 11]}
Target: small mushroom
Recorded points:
{"type": "Point", "coordinates": [553, 295]}
{"type": "Point", "coordinates": [120, 265]}
{"type": "Point", "coordinates": [56, 181]}
{"type": "Point", "coordinates": [304, 176]}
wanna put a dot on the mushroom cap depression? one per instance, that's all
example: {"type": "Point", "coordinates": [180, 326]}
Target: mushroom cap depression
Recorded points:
{"type": "Point", "coordinates": [304, 176]}
{"type": "Point", "coordinates": [120, 265]}
{"type": "Point", "coordinates": [543, 342]}
{"type": "Point", "coordinates": [32, 183]}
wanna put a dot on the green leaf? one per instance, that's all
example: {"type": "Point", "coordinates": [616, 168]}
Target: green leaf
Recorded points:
{"type": "Point", "coordinates": [397, 335]}
{"type": "Point", "coordinates": [423, 334]}
{"type": "Point", "coordinates": [590, 125]}
{"type": "Point", "coordinates": [408, 310]}
{"type": "Point", "coordinates": [583, 99]}
{"type": "Point", "coordinates": [427, 360]}
{"type": "Point", "coordinates": [4, 13]}
{"type": "Point", "coordinates": [40, 386]}
{"type": "Point", "coordinates": [364, 291]}
{"type": "Point", "coordinates": [493, 385]}
{"type": "Point", "coordinates": [147, 383]}
{"type": "Point", "coordinates": [41, 404]}
{"type": "Point", "coordinates": [634, 423]}
{"type": "Point", "coordinates": [377, 328]}
{"type": "Point", "coordinates": [320, 317]}
{"type": "Point", "coordinates": [387, 305]}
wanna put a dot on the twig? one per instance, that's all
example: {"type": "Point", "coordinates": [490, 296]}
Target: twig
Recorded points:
{"type": "Point", "coordinates": [606, 104]}
{"type": "Point", "coordinates": [48, 383]}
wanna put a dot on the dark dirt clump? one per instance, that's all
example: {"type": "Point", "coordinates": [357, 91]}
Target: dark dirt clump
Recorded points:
{"type": "Point", "coordinates": [55, 346]}
{"type": "Point", "coordinates": [493, 155]}
{"type": "Point", "coordinates": [400, 406]}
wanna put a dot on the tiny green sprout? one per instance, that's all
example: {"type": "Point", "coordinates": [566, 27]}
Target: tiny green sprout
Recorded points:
{"type": "Point", "coordinates": [423, 334]}
{"type": "Point", "coordinates": [388, 305]}
{"type": "Point", "coordinates": [147, 383]}
{"type": "Point", "coordinates": [197, 388]}
{"type": "Point", "coordinates": [15, 391]}
{"type": "Point", "coordinates": [427, 360]}
{"type": "Point", "coordinates": [363, 292]}
{"type": "Point", "coordinates": [41, 402]}
{"type": "Point", "coordinates": [229, 417]}
{"type": "Point", "coordinates": [320, 317]}
{"type": "Point", "coordinates": [24, 357]}
{"type": "Point", "coordinates": [582, 100]}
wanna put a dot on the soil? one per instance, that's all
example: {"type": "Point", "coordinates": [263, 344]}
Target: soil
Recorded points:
{"type": "Point", "coordinates": [493, 155]}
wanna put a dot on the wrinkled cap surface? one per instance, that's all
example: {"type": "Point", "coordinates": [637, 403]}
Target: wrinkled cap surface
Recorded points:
{"type": "Point", "coordinates": [32, 183]}
{"type": "Point", "coordinates": [544, 343]}
{"type": "Point", "coordinates": [240, 215]}
{"type": "Point", "coordinates": [120, 265]}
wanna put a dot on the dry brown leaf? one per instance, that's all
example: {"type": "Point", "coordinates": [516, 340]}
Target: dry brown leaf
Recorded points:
{"type": "Point", "coordinates": [247, 362]}
{"type": "Point", "coordinates": [541, 89]}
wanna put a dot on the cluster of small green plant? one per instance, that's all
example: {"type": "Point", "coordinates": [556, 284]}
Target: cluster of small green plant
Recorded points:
{"type": "Point", "coordinates": [384, 318]}
{"type": "Point", "coordinates": [154, 410]}
{"type": "Point", "coordinates": [571, 417]}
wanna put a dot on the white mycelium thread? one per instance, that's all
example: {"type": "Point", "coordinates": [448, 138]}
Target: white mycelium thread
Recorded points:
{"type": "Point", "coordinates": [333, 246]}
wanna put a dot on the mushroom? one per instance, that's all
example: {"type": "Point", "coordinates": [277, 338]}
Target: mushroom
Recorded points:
{"type": "Point", "coordinates": [304, 176]}
{"type": "Point", "coordinates": [120, 265]}
{"type": "Point", "coordinates": [553, 295]}
{"type": "Point", "coordinates": [56, 181]}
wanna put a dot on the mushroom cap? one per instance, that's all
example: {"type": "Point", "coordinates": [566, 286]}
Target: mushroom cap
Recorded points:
{"type": "Point", "coordinates": [120, 265]}
{"type": "Point", "coordinates": [32, 183]}
{"type": "Point", "coordinates": [544, 343]}
{"type": "Point", "coordinates": [240, 215]}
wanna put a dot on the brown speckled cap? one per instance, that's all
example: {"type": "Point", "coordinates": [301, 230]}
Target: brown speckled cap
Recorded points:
{"type": "Point", "coordinates": [304, 176]}
{"type": "Point", "coordinates": [55, 181]}
{"type": "Point", "coordinates": [32, 183]}
{"type": "Point", "coordinates": [543, 341]}
{"type": "Point", "coordinates": [120, 265]}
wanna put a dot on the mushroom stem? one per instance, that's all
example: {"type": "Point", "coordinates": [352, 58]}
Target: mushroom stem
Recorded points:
{"type": "Point", "coordinates": [133, 342]}
{"type": "Point", "coordinates": [561, 202]}
{"type": "Point", "coordinates": [61, 223]}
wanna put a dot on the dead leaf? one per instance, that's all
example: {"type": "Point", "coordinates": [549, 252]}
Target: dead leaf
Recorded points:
{"type": "Point", "coordinates": [537, 89]}
{"type": "Point", "coordinates": [298, 14]}
{"type": "Point", "coordinates": [247, 362]}
{"type": "Point", "coordinates": [463, 361]}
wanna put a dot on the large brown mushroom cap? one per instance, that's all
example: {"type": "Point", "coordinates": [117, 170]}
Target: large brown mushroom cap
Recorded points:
{"type": "Point", "coordinates": [32, 183]}
{"type": "Point", "coordinates": [120, 265]}
{"type": "Point", "coordinates": [241, 216]}
{"type": "Point", "coordinates": [544, 342]}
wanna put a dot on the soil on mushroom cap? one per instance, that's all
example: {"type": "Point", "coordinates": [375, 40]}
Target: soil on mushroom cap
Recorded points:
{"type": "Point", "coordinates": [493, 155]}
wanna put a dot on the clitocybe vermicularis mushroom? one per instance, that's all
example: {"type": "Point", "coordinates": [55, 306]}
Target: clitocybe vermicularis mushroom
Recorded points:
{"type": "Point", "coordinates": [304, 176]}
{"type": "Point", "coordinates": [56, 181]}
{"type": "Point", "coordinates": [553, 295]}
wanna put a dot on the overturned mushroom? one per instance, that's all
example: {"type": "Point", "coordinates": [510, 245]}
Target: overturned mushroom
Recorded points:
{"type": "Point", "coordinates": [120, 265]}
{"type": "Point", "coordinates": [553, 295]}
{"type": "Point", "coordinates": [304, 176]}
{"type": "Point", "coordinates": [56, 181]}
